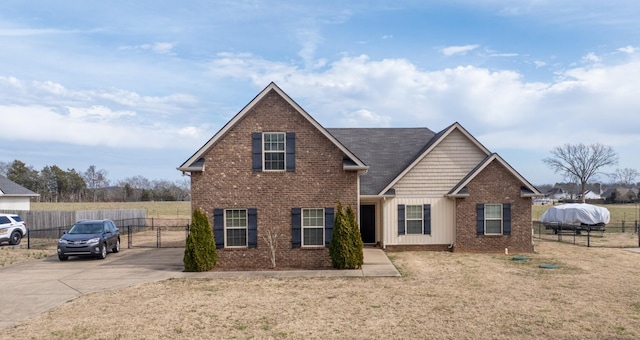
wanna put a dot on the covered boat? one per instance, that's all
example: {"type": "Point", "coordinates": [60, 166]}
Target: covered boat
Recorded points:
{"type": "Point", "coordinates": [576, 217]}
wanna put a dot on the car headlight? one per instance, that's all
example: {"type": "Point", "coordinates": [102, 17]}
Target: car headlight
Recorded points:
{"type": "Point", "coordinates": [62, 241]}
{"type": "Point", "coordinates": [93, 240]}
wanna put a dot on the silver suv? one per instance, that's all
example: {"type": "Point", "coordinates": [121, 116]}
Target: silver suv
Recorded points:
{"type": "Point", "coordinates": [12, 229]}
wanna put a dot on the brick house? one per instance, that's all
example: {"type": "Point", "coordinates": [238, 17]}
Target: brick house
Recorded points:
{"type": "Point", "coordinates": [275, 169]}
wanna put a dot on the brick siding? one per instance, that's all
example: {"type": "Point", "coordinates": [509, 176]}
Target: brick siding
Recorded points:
{"type": "Point", "coordinates": [495, 184]}
{"type": "Point", "coordinates": [228, 182]}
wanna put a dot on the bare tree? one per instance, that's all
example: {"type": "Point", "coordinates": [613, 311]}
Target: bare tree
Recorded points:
{"type": "Point", "coordinates": [626, 176]}
{"type": "Point", "coordinates": [271, 236]}
{"type": "Point", "coordinates": [95, 179]}
{"type": "Point", "coordinates": [581, 162]}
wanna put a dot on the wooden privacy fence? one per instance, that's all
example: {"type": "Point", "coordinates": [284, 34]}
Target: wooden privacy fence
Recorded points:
{"type": "Point", "coordinates": [63, 219]}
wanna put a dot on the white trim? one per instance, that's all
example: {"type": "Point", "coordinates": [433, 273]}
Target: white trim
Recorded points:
{"type": "Point", "coordinates": [240, 115]}
{"type": "Point", "coordinates": [406, 219]}
{"type": "Point", "coordinates": [454, 126]}
{"type": "Point", "coordinates": [486, 163]}
{"type": "Point", "coordinates": [284, 152]}
{"type": "Point", "coordinates": [494, 219]}
{"type": "Point", "coordinates": [246, 228]}
{"type": "Point", "coordinates": [302, 228]}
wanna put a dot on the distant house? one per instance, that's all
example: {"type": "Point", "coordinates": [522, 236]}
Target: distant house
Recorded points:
{"type": "Point", "coordinates": [620, 194]}
{"type": "Point", "coordinates": [590, 195]}
{"type": "Point", "coordinates": [14, 196]}
{"type": "Point", "coordinates": [557, 194]}
{"type": "Point", "coordinates": [273, 168]}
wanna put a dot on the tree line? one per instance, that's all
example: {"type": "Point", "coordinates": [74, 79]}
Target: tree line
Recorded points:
{"type": "Point", "coordinates": [92, 185]}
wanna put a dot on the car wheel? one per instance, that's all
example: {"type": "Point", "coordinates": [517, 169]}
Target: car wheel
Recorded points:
{"type": "Point", "coordinates": [103, 252]}
{"type": "Point", "coordinates": [16, 236]}
{"type": "Point", "coordinates": [63, 257]}
{"type": "Point", "coordinates": [117, 247]}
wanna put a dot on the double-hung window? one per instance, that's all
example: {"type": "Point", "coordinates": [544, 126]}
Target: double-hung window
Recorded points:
{"type": "Point", "coordinates": [312, 227]}
{"type": "Point", "coordinates": [274, 151]}
{"type": "Point", "coordinates": [493, 219]}
{"type": "Point", "coordinates": [235, 227]}
{"type": "Point", "coordinates": [414, 219]}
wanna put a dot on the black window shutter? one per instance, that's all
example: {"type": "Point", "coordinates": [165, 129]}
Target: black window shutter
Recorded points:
{"type": "Point", "coordinates": [426, 218]}
{"type": "Point", "coordinates": [291, 151]}
{"type": "Point", "coordinates": [400, 219]}
{"type": "Point", "coordinates": [252, 227]}
{"type": "Point", "coordinates": [506, 218]}
{"type": "Point", "coordinates": [256, 151]}
{"type": "Point", "coordinates": [328, 226]}
{"type": "Point", "coordinates": [218, 227]}
{"type": "Point", "coordinates": [480, 219]}
{"type": "Point", "coordinates": [296, 227]}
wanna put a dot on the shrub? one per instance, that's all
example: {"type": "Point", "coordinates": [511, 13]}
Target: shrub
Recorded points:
{"type": "Point", "coordinates": [345, 248]}
{"type": "Point", "coordinates": [200, 250]}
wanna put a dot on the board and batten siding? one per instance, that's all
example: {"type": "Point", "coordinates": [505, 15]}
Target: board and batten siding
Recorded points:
{"type": "Point", "coordinates": [439, 171]}
{"type": "Point", "coordinates": [442, 222]}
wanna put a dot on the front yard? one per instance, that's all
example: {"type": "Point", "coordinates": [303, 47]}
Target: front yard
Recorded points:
{"type": "Point", "coordinates": [592, 294]}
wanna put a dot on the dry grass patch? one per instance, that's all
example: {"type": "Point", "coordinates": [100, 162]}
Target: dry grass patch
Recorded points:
{"type": "Point", "coordinates": [10, 255]}
{"type": "Point", "coordinates": [593, 294]}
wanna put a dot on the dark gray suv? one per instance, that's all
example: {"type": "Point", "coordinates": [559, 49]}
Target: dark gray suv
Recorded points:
{"type": "Point", "coordinates": [89, 238]}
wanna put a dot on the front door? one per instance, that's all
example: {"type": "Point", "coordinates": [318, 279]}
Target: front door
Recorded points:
{"type": "Point", "coordinates": [368, 223]}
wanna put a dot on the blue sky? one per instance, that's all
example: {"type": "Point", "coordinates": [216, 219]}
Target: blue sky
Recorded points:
{"type": "Point", "coordinates": [136, 87]}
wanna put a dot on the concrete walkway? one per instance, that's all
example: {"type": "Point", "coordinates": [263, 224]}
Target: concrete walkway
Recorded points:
{"type": "Point", "coordinates": [31, 288]}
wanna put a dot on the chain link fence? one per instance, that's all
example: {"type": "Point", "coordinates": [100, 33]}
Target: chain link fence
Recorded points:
{"type": "Point", "coordinates": [134, 232]}
{"type": "Point", "coordinates": [617, 234]}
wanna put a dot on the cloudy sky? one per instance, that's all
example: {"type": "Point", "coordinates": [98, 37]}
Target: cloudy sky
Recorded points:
{"type": "Point", "coordinates": [136, 87]}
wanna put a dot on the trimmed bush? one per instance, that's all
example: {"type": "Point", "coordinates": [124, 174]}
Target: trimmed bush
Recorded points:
{"type": "Point", "coordinates": [345, 248]}
{"type": "Point", "coordinates": [200, 253]}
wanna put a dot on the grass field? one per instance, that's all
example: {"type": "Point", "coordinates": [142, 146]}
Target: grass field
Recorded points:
{"type": "Point", "coordinates": [154, 209]}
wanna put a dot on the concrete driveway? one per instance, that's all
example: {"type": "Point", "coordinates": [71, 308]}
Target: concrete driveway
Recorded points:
{"type": "Point", "coordinates": [31, 288]}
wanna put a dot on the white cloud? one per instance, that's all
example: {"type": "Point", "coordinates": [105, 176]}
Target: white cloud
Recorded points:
{"type": "Point", "coordinates": [591, 58]}
{"type": "Point", "coordinates": [627, 49]}
{"type": "Point", "coordinates": [365, 118]}
{"type": "Point", "coordinates": [539, 63]}
{"type": "Point", "coordinates": [98, 112]}
{"type": "Point", "coordinates": [387, 36]}
{"type": "Point", "coordinates": [462, 50]}
{"type": "Point", "coordinates": [157, 47]}
{"type": "Point", "coordinates": [501, 106]}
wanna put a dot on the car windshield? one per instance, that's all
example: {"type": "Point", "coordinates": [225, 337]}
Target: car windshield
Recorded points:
{"type": "Point", "coordinates": [86, 228]}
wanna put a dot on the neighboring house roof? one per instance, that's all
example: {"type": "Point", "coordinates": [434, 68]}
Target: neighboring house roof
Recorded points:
{"type": "Point", "coordinates": [460, 190]}
{"type": "Point", "coordinates": [11, 188]}
{"type": "Point", "coordinates": [196, 162]}
{"type": "Point", "coordinates": [387, 151]}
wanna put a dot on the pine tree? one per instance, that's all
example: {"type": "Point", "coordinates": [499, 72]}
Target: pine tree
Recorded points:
{"type": "Point", "coordinates": [345, 248]}
{"type": "Point", "coordinates": [355, 239]}
{"type": "Point", "coordinates": [200, 253]}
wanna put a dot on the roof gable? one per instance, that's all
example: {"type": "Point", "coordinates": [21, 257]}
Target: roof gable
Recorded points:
{"type": "Point", "coordinates": [196, 161]}
{"type": "Point", "coordinates": [459, 190]}
{"type": "Point", "coordinates": [387, 151]}
{"type": "Point", "coordinates": [11, 188]}
{"type": "Point", "coordinates": [432, 144]}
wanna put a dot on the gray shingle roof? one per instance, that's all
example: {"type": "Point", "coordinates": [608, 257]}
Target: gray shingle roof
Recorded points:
{"type": "Point", "coordinates": [387, 151]}
{"type": "Point", "coordinates": [11, 188]}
